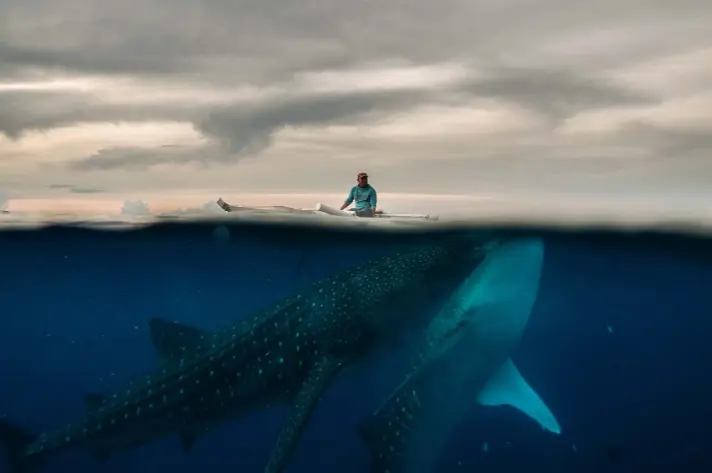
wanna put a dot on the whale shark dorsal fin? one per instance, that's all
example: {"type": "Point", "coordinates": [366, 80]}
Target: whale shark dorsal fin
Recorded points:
{"type": "Point", "coordinates": [508, 387]}
{"type": "Point", "coordinates": [303, 404]}
{"type": "Point", "coordinates": [174, 341]}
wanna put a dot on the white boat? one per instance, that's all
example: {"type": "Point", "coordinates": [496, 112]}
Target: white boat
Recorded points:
{"type": "Point", "coordinates": [325, 210]}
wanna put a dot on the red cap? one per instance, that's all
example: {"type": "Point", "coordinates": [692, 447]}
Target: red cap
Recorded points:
{"type": "Point", "coordinates": [361, 174]}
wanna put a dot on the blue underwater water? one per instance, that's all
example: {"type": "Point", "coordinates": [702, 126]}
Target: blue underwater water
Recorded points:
{"type": "Point", "coordinates": [617, 345]}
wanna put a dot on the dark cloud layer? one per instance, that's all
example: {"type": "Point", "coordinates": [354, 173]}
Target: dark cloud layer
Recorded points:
{"type": "Point", "coordinates": [141, 158]}
{"type": "Point", "coordinates": [256, 40]}
{"type": "Point", "coordinates": [44, 110]}
{"type": "Point", "coordinates": [555, 92]}
{"type": "Point", "coordinates": [250, 129]}
{"type": "Point", "coordinates": [244, 128]}
{"type": "Point", "coordinates": [77, 189]}
{"type": "Point", "coordinates": [670, 142]}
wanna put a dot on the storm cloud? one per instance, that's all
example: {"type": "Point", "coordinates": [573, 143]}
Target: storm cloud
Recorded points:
{"type": "Point", "coordinates": [485, 95]}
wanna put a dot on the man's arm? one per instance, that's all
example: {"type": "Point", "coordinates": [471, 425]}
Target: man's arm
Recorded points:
{"type": "Point", "coordinates": [373, 199]}
{"type": "Point", "coordinates": [348, 200]}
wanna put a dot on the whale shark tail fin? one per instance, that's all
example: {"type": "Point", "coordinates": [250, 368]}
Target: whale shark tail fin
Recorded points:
{"type": "Point", "coordinates": [508, 387]}
{"type": "Point", "coordinates": [14, 439]}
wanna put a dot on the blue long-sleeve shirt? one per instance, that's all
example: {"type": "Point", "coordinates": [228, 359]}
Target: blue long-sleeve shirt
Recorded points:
{"type": "Point", "coordinates": [365, 197]}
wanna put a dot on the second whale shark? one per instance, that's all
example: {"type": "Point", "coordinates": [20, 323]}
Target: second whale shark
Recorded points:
{"type": "Point", "coordinates": [288, 352]}
{"type": "Point", "coordinates": [464, 361]}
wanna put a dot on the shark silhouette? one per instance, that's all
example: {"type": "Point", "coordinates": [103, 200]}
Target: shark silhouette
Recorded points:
{"type": "Point", "coordinates": [288, 352]}
{"type": "Point", "coordinates": [464, 361]}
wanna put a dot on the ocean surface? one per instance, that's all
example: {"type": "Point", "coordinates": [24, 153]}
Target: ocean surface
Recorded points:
{"type": "Point", "coordinates": [618, 344]}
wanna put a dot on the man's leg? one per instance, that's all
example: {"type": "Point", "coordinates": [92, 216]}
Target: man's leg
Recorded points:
{"type": "Point", "coordinates": [367, 212]}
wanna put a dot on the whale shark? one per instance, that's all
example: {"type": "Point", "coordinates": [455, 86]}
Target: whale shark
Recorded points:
{"type": "Point", "coordinates": [464, 361]}
{"type": "Point", "coordinates": [287, 352]}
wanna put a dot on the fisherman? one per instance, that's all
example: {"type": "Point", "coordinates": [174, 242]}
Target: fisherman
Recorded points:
{"type": "Point", "coordinates": [364, 195]}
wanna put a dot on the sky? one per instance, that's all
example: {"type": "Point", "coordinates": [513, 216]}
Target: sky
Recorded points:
{"type": "Point", "coordinates": [164, 101]}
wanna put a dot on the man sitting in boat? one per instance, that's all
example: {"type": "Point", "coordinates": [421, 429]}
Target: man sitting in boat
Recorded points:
{"type": "Point", "coordinates": [364, 195]}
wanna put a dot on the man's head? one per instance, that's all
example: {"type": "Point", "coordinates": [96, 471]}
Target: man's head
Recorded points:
{"type": "Point", "coordinates": [362, 179]}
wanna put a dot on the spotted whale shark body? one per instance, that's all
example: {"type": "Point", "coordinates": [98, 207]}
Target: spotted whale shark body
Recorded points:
{"type": "Point", "coordinates": [464, 361]}
{"type": "Point", "coordinates": [288, 352]}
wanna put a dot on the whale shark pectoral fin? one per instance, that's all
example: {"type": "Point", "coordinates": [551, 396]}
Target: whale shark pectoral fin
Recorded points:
{"type": "Point", "coordinates": [304, 403]}
{"type": "Point", "coordinates": [174, 341]}
{"type": "Point", "coordinates": [508, 387]}
{"type": "Point", "coordinates": [387, 431]}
